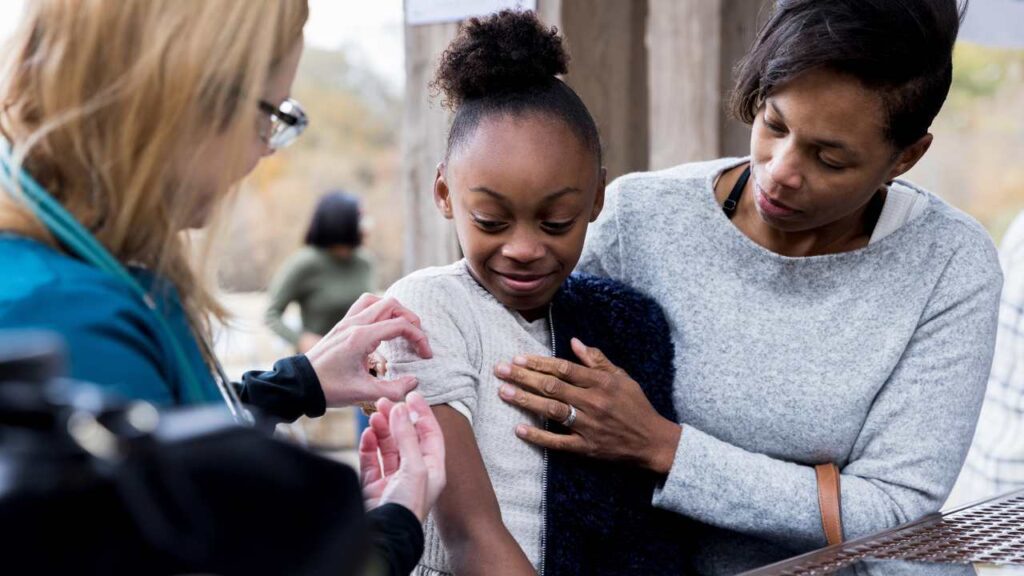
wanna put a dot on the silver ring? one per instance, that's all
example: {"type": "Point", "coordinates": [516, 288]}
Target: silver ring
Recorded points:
{"type": "Point", "coordinates": [571, 418]}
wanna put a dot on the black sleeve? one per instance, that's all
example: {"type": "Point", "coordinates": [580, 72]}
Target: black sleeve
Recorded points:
{"type": "Point", "coordinates": [285, 393]}
{"type": "Point", "coordinates": [396, 538]}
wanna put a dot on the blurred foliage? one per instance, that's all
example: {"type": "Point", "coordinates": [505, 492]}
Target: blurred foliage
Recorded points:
{"type": "Point", "coordinates": [975, 160]}
{"type": "Point", "coordinates": [980, 71]}
{"type": "Point", "coordinates": [351, 144]}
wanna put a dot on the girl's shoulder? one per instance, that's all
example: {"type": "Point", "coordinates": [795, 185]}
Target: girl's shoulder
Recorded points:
{"type": "Point", "coordinates": [440, 290]}
{"type": "Point", "coordinates": [455, 276]}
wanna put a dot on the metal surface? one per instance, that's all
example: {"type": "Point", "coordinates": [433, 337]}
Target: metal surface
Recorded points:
{"type": "Point", "coordinates": [991, 532]}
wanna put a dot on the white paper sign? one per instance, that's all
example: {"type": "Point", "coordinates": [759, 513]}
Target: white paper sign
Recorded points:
{"type": "Point", "coordinates": [433, 11]}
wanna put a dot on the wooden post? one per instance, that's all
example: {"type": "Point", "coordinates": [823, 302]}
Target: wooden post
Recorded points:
{"type": "Point", "coordinates": [741, 20]}
{"type": "Point", "coordinates": [693, 46]}
{"type": "Point", "coordinates": [429, 238]}
{"type": "Point", "coordinates": [608, 69]}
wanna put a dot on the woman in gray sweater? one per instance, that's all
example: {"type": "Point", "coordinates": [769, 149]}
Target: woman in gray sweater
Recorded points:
{"type": "Point", "coordinates": [821, 309]}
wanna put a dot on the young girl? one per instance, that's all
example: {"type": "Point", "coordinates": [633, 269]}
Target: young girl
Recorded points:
{"type": "Point", "coordinates": [522, 178]}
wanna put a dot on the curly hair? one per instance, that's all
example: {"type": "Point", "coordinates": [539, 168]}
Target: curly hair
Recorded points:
{"type": "Point", "coordinates": [507, 64]}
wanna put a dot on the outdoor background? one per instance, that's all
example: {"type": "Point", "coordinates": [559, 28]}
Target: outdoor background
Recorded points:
{"type": "Point", "coordinates": [351, 83]}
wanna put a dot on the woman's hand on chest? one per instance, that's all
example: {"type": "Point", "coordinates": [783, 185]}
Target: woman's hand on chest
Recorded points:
{"type": "Point", "coordinates": [613, 419]}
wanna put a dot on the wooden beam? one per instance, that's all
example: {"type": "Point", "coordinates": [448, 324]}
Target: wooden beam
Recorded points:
{"type": "Point", "coordinates": [608, 69]}
{"type": "Point", "coordinates": [693, 46]}
{"type": "Point", "coordinates": [429, 238]}
{"type": "Point", "coordinates": [685, 64]}
{"type": "Point", "coordinates": [741, 19]}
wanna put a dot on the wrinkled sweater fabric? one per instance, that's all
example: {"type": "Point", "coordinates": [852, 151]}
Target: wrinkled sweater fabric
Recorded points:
{"type": "Point", "coordinates": [570, 515]}
{"type": "Point", "coordinates": [875, 359]}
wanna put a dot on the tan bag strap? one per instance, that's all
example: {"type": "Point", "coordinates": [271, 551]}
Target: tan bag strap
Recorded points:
{"type": "Point", "coordinates": [829, 502]}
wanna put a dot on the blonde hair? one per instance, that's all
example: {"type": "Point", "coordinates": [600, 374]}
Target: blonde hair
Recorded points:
{"type": "Point", "coordinates": [105, 104]}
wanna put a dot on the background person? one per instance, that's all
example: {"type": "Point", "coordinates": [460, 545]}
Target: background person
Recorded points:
{"type": "Point", "coordinates": [325, 278]}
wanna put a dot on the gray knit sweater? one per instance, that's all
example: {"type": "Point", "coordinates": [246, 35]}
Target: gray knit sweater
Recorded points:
{"type": "Point", "coordinates": [470, 332]}
{"type": "Point", "coordinates": [875, 359]}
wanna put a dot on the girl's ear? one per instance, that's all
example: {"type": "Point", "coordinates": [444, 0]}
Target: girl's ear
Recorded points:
{"type": "Point", "coordinates": [442, 195]}
{"type": "Point", "coordinates": [599, 198]}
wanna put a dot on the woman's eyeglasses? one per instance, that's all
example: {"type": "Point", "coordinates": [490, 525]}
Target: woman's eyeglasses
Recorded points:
{"type": "Point", "coordinates": [287, 121]}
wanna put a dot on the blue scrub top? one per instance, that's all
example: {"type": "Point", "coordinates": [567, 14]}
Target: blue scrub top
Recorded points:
{"type": "Point", "coordinates": [113, 338]}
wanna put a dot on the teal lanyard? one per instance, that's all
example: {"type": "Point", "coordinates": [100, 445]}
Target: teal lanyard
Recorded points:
{"type": "Point", "coordinates": [79, 241]}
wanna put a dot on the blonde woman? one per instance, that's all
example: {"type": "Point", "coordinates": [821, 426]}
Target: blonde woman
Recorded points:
{"type": "Point", "coordinates": [125, 123]}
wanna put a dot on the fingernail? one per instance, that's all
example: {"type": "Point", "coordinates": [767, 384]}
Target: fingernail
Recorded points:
{"type": "Point", "coordinates": [503, 370]}
{"type": "Point", "coordinates": [519, 360]}
{"type": "Point", "coordinates": [414, 395]}
{"type": "Point", "coordinates": [399, 411]}
{"type": "Point", "coordinates": [507, 391]}
{"type": "Point", "coordinates": [521, 430]}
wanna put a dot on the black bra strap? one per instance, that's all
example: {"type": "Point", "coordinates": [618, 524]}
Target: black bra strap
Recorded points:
{"type": "Point", "coordinates": [730, 204]}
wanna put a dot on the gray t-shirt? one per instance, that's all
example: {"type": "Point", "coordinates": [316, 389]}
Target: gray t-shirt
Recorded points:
{"type": "Point", "coordinates": [875, 359]}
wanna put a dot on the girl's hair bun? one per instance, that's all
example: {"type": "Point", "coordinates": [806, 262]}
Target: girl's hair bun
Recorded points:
{"type": "Point", "coordinates": [506, 53]}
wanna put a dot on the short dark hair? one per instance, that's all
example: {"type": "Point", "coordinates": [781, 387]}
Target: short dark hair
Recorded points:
{"type": "Point", "coordinates": [902, 49]}
{"type": "Point", "coordinates": [507, 64]}
{"type": "Point", "coordinates": [335, 221]}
